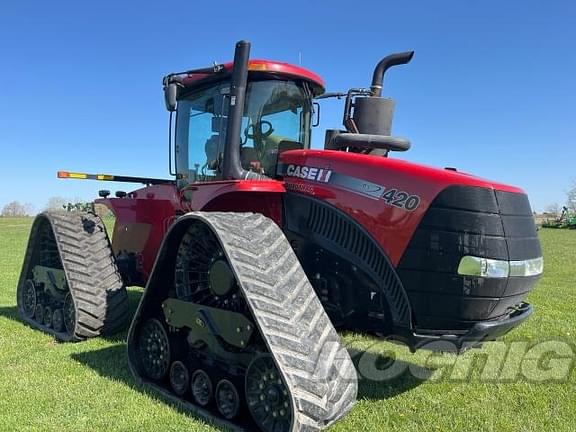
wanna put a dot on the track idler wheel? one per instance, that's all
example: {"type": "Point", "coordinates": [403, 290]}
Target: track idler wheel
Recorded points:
{"type": "Point", "coordinates": [154, 349]}
{"type": "Point", "coordinates": [201, 388]}
{"type": "Point", "coordinates": [267, 396]}
{"type": "Point", "coordinates": [227, 399]}
{"type": "Point", "coordinates": [222, 280]}
{"type": "Point", "coordinates": [39, 313]}
{"type": "Point", "coordinates": [69, 314]}
{"type": "Point", "coordinates": [179, 378]}
{"type": "Point", "coordinates": [29, 299]}
{"type": "Point", "coordinates": [48, 316]}
{"type": "Point", "coordinates": [58, 320]}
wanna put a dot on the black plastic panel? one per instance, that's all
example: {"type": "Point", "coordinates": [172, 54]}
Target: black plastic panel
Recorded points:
{"type": "Point", "coordinates": [468, 198]}
{"type": "Point", "coordinates": [430, 260]}
{"type": "Point", "coordinates": [513, 204]}
{"type": "Point", "coordinates": [459, 243]}
{"type": "Point", "coordinates": [520, 285]}
{"type": "Point", "coordinates": [463, 221]}
{"type": "Point", "coordinates": [453, 284]}
{"type": "Point", "coordinates": [457, 312]}
{"type": "Point", "coordinates": [330, 228]}
{"type": "Point", "coordinates": [519, 226]}
{"type": "Point", "coordinates": [467, 221]}
{"type": "Point", "coordinates": [524, 248]}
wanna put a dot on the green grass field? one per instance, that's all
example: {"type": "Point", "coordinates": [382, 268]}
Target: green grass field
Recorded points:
{"type": "Point", "coordinates": [48, 386]}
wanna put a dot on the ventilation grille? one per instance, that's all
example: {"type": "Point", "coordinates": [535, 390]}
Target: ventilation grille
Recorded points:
{"type": "Point", "coordinates": [337, 229]}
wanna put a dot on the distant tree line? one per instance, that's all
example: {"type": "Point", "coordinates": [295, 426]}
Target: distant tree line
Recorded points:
{"type": "Point", "coordinates": [556, 208]}
{"type": "Point", "coordinates": [571, 201]}
{"type": "Point", "coordinates": [18, 209]}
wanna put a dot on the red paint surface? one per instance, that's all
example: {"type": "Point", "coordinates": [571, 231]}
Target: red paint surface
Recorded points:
{"type": "Point", "coordinates": [158, 206]}
{"type": "Point", "coordinates": [272, 68]}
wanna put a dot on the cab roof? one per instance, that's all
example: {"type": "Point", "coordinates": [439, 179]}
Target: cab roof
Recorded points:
{"type": "Point", "coordinates": [274, 68]}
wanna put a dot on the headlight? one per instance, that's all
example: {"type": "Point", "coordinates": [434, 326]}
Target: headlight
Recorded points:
{"type": "Point", "coordinates": [530, 267]}
{"type": "Point", "coordinates": [491, 268]}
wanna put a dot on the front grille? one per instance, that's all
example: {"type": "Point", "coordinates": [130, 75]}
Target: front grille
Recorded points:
{"type": "Point", "coordinates": [461, 221]}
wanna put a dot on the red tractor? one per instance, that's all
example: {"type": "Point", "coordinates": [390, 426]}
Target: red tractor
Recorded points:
{"type": "Point", "coordinates": [261, 246]}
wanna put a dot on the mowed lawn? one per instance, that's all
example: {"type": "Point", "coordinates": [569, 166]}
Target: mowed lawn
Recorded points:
{"type": "Point", "coordinates": [49, 386]}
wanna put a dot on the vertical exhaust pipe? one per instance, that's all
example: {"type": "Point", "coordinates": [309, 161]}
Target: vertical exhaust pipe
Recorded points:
{"type": "Point", "coordinates": [232, 168]}
{"type": "Point", "coordinates": [385, 64]}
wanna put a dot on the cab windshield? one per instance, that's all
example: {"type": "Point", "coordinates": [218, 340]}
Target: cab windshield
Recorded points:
{"type": "Point", "coordinates": [276, 118]}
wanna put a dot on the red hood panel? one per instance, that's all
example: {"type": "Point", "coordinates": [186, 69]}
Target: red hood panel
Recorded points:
{"type": "Point", "coordinates": [357, 185]}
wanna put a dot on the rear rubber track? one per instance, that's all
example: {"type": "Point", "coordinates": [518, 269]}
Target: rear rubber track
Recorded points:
{"type": "Point", "coordinates": [98, 292]}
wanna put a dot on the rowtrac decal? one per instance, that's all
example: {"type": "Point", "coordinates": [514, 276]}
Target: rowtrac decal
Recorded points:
{"type": "Point", "coordinates": [390, 195]}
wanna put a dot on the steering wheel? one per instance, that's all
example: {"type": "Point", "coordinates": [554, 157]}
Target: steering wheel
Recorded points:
{"type": "Point", "coordinates": [259, 130]}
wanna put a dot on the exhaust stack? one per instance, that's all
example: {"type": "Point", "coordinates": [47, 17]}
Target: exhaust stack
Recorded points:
{"type": "Point", "coordinates": [368, 116]}
{"type": "Point", "coordinates": [373, 114]}
{"type": "Point", "coordinates": [385, 64]}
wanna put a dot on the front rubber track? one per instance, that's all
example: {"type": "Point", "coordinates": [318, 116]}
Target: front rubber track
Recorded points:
{"type": "Point", "coordinates": [316, 368]}
{"type": "Point", "coordinates": [97, 289]}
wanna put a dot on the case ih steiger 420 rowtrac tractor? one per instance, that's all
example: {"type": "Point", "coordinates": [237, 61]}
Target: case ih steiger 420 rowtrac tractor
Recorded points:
{"type": "Point", "coordinates": [260, 247]}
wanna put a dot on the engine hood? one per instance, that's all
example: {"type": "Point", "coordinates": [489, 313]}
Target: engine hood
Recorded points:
{"type": "Point", "coordinates": [388, 197]}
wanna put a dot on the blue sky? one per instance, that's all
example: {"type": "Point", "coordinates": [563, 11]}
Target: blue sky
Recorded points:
{"type": "Point", "coordinates": [490, 89]}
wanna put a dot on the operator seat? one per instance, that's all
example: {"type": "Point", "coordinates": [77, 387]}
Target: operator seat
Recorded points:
{"type": "Point", "coordinates": [286, 145]}
{"type": "Point", "coordinates": [215, 144]}
{"type": "Point", "coordinates": [248, 155]}
{"type": "Point", "coordinates": [211, 150]}
{"type": "Point", "coordinates": [271, 157]}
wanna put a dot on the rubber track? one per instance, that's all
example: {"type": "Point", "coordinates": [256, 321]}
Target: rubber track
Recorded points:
{"type": "Point", "coordinates": [96, 286]}
{"type": "Point", "coordinates": [315, 366]}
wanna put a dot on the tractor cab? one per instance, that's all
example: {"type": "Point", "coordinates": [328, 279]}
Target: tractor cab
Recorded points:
{"type": "Point", "coordinates": [234, 120]}
{"type": "Point", "coordinates": [276, 116]}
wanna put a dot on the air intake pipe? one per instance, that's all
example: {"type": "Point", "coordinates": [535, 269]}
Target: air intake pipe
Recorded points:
{"type": "Point", "coordinates": [232, 167]}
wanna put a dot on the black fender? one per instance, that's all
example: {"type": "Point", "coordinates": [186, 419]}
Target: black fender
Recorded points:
{"type": "Point", "coordinates": [330, 228]}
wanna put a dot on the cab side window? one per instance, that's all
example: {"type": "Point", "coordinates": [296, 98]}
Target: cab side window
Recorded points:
{"type": "Point", "coordinates": [201, 132]}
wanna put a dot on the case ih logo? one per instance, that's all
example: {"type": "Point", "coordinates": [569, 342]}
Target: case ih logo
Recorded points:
{"type": "Point", "coordinates": [309, 173]}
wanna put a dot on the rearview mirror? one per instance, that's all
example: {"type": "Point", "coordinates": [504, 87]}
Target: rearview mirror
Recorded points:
{"type": "Point", "coordinates": [315, 114]}
{"type": "Point", "coordinates": [170, 91]}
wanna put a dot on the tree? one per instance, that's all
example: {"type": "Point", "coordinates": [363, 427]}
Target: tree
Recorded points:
{"type": "Point", "coordinates": [56, 203]}
{"type": "Point", "coordinates": [554, 209]}
{"type": "Point", "coordinates": [15, 209]}
{"type": "Point", "coordinates": [571, 197]}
